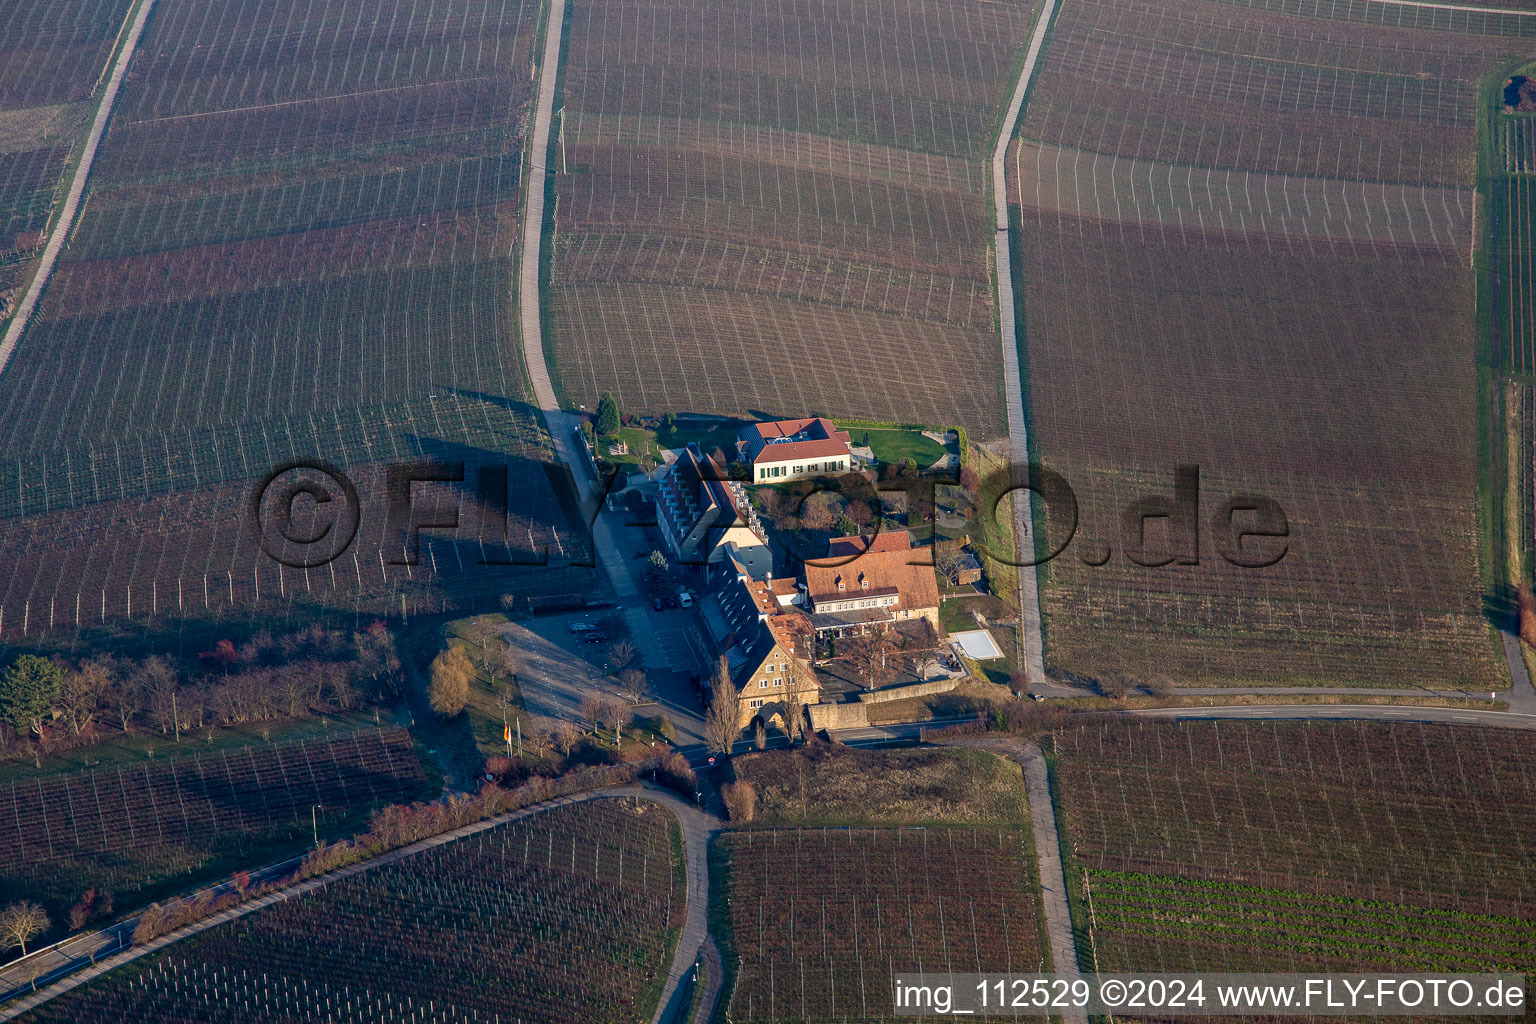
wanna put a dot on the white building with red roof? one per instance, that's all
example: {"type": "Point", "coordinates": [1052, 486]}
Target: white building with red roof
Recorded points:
{"type": "Point", "coordinates": [793, 450]}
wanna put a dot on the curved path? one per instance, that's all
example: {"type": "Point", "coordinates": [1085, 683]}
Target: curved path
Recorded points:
{"type": "Point", "coordinates": [66, 221]}
{"type": "Point", "coordinates": [694, 945]}
{"type": "Point", "coordinates": [1018, 431]}
{"type": "Point", "coordinates": [695, 826]}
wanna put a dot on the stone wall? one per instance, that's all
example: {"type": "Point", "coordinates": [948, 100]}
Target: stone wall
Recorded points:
{"type": "Point", "coordinates": [839, 716]}
{"type": "Point", "coordinates": [908, 690]}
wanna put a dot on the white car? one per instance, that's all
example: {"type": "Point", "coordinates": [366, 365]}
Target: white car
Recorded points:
{"type": "Point", "coordinates": [685, 599]}
{"type": "Point", "coordinates": [582, 627]}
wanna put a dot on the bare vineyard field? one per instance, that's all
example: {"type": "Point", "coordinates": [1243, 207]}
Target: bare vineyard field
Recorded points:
{"type": "Point", "coordinates": [140, 830]}
{"type": "Point", "coordinates": [298, 244]}
{"type": "Point", "coordinates": [1511, 191]}
{"type": "Point", "coordinates": [804, 180]}
{"type": "Point", "coordinates": [468, 931]}
{"type": "Point", "coordinates": [821, 918]}
{"type": "Point", "coordinates": [1253, 255]}
{"type": "Point", "coordinates": [1289, 846]}
{"type": "Point", "coordinates": [227, 100]}
{"type": "Point", "coordinates": [51, 55]}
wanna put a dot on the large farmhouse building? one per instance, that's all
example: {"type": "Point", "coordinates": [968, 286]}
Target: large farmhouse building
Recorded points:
{"type": "Point", "coordinates": [793, 449]}
{"type": "Point", "coordinates": [860, 582]}
{"type": "Point", "coordinates": [705, 519]}
{"type": "Point", "coordinates": [766, 644]}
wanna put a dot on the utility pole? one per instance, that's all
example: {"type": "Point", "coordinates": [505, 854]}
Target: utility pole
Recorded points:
{"type": "Point", "coordinates": [561, 114]}
{"type": "Point", "coordinates": [314, 824]}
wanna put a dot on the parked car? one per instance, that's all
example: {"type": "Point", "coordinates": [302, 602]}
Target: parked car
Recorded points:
{"type": "Point", "coordinates": [582, 627]}
{"type": "Point", "coordinates": [671, 600]}
{"type": "Point", "coordinates": [685, 599]}
{"type": "Point", "coordinates": [657, 603]}
{"type": "Point", "coordinates": [595, 637]}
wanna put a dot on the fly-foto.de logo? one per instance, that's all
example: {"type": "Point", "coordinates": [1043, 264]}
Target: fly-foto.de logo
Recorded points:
{"type": "Point", "coordinates": [307, 514]}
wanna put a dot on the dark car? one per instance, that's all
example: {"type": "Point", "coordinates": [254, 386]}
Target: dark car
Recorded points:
{"type": "Point", "coordinates": [671, 600]}
{"type": "Point", "coordinates": [595, 638]}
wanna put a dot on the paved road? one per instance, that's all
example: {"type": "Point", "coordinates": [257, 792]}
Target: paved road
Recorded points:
{"type": "Point", "coordinates": [1053, 880]}
{"type": "Point", "coordinates": [1059, 690]}
{"type": "Point", "coordinates": [1018, 432]}
{"type": "Point", "coordinates": [611, 540]}
{"type": "Point", "coordinates": [1522, 694]}
{"type": "Point", "coordinates": [695, 942]}
{"type": "Point", "coordinates": [44, 965]}
{"type": "Point", "coordinates": [695, 827]}
{"type": "Point", "coordinates": [66, 221]}
{"type": "Point", "coordinates": [528, 296]}
{"type": "Point", "coordinates": [1454, 7]}
{"type": "Point", "coordinates": [1356, 712]}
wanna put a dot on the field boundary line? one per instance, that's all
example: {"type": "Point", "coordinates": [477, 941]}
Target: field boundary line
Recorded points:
{"type": "Point", "coordinates": [117, 960]}
{"type": "Point", "coordinates": [1455, 7]}
{"type": "Point", "coordinates": [1345, 712]}
{"type": "Point", "coordinates": [66, 222]}
{"type": "Point", "coordinates": [1018, 432]}
{"type": "Point", "coordinates": [301, 102]}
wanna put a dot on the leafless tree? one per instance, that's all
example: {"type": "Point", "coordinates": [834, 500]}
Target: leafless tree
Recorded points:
{"type": "Point", "coordinates": [946, 562]}
{"type": "Point", "coordinates": [815, 515]}
{"type": "Point", "coordinates": [872, 652]}
{"type": "Point", "coordinates": [799, 685]}
{"type": "Point", "coordinates": [158, 680]}
{"type": "Point", "coordinates": [83, 691]}
{"type": "Point", "coordinates": [621, 653]}
{"type": "Point", "coordinates": [612, 713]}
{"type": "Point", "coordinates": [633, 680]}
{"type": "Point", "coordinates": [722, 725]}
{"type": "Point", "coordinates": [564, 737]}
{"type": "Point", "coordinates": [21, 922]}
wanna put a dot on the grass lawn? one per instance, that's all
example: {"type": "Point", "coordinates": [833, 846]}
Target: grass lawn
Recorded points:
{"type": "Point", "coordinates": [954, 616]}
{"type": "Point", "coordinates": [722, 436]}
{"type": "Point", "coordinates": [495, 699]}
{"type": "Point", "coordinates": [843, 785]}
{"type": "Point", "coordinates": [134, 748]}
{"type": "Point", "coordinates": [895, 445]}
{"type": "Point", "coordinates": [642, 441]}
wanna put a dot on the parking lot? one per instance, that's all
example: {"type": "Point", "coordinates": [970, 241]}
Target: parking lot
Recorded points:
{"type": "Point", "coordinates": [560, 667]}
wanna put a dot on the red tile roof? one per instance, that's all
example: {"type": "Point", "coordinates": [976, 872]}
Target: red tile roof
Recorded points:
{"type": "Point", "coordinates": [822, 440]}
{"type": "Point", "coordinates": [886, 568]}
{"type": "Point", "coordinates": [885, 540]}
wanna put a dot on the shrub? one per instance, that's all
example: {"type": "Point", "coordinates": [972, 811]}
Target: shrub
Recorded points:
{"type": "Point", "coordinates": [448, 691]}
{"type": "Point", "coordinates": [676, 773]}
{"type": "Point", "coordinates": [740, 801]}
{"type": "Point", "coordinates": [662, 726]}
